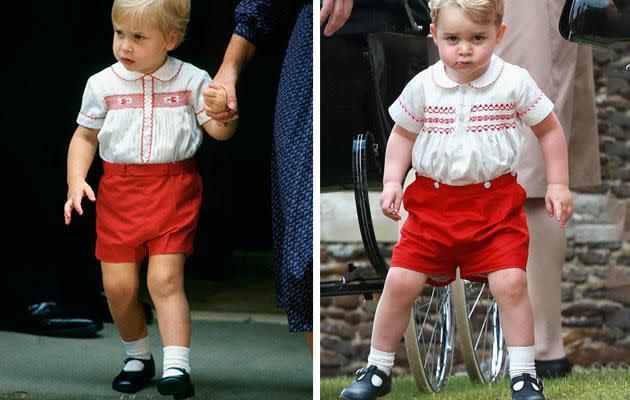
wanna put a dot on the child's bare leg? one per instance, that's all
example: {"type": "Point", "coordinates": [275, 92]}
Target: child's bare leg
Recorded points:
{"type": "Point", "coordinates": [166, 285]}
{"type": "Point", "coordinates": [392, 314]}
{"type": "Point", "coordinates": [165, 280]}
{"type": "Point", "coordinates": [121, 282]}
{"type": "Point", "coordinates": [509, 288]}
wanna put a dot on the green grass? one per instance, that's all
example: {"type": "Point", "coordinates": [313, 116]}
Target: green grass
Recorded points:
{"type": "Point", "coordinates": [583, 384]}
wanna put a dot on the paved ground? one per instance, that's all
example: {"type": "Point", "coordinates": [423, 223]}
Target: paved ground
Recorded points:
{"type": "Point", "coordinates": [233, 356]}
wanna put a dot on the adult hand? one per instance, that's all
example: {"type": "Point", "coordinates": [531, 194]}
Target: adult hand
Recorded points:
{"type": "Point", "coordinates": [338, 11]}
{"type": "Point", "coordinates": [227, 82]}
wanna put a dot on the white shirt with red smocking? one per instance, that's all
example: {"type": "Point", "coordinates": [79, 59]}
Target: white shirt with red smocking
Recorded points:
{"type": "Point", "coordinates": [469, 133]}
{"type": "Point", "coordinates": [146, 118]}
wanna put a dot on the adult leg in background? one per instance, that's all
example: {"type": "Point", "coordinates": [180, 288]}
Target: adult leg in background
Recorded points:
{"type": "Point", "coordinates": [564, 72]}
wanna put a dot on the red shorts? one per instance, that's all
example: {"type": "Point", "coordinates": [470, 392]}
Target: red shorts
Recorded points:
{"type": "Point", "coordinates": [146, 209]}
{"type": "Point", "coordinates": [479, 228]}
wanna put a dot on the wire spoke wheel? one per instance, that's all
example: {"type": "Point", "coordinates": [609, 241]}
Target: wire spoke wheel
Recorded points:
{"type": "Point", "coordinates": [430, 337]}
{"type": "Point", "coordinates": [479, 335]}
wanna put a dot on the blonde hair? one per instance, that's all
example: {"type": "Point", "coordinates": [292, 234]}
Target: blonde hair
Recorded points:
{"type": "Point", "coordinates": [480, 11]}
{"type": "Point", "coordinates": [168, 15]}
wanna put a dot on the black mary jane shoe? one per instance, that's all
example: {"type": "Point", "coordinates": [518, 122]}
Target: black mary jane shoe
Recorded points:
{"type": "Point", "coordinates": [364, 388]}
{"type": "Point", "coordinates": [180, 386]}
{"type": "Point", "coordinates": [526, 387]}
{"type": "Point", "coordinates": [557, 368]}
{"type": "Point", "coordinates": [133, 381]}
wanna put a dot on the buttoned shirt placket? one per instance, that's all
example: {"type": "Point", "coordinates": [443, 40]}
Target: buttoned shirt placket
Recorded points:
{"type": "Point", "coordinates": [146, 140]}
{"type": "Point", "coordinates": [460, 120]}
{"type": "Point", "coordinates": [461, 109]}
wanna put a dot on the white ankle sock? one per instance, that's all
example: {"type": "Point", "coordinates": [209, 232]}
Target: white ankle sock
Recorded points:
{"type": "Point", "coordinates": [141, 349]}
{"type": "Point", "coordinates": [522, 361]}
{"type": "Point", "coordinates": [175, 357]}
{"type": "Point", "coordinates": [383, 360]}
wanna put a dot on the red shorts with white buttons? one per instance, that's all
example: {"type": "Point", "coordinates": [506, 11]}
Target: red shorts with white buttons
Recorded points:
{"type": "Point", "coordinates": [479, 228]}
{"type": "Point", "coordinates": [146, 209]}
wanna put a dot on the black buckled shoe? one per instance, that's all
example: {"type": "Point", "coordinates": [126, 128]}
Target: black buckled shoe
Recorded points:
{"type": "Point", "coordinates": [180, 386]}
{"type": "Point", "coordinates": [526, 387]}
{"type": "Point", "coordinates": [557, 368]}
{"type": "Point", "coordinates": [133, 381]}
{"type": "Point", "coordinates": [369, 384]}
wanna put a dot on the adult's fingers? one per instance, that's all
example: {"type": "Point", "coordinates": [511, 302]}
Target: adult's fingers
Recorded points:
{"type": "Point", "coordinates": [230, 90]}
{"type": "Point", "coordinates": [335, 20]}
{"type": "Point", "coordinates": [341, 12]}
{"type": "Point", "coordinates": [227, 87]}
{"type": "Point", "coordinates": [325, 11]}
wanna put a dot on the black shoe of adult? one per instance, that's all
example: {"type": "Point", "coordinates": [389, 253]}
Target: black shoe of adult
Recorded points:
{"type": "Point", "coordinates": [526, 387]}
{"type": "Point", "coordinates": [557, 368]}
{"type": "Point", "coordinates": [133, 381]}
{"type": "Point", "coordinates": [369, 384]}
{"type": "Point", "coordinates": [50, 319]}
{"type": "Point", "coordinates": [180, 386]}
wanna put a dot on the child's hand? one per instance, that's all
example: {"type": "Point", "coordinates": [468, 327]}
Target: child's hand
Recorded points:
{"type": "Point", "coordinates": [75, 195]}
{"type": "Point", "coordinates": [215, 100]}
{"type": "Point", "coordinates": [558, 202]}
{"type": "Point", "coordinates": [391, 198]}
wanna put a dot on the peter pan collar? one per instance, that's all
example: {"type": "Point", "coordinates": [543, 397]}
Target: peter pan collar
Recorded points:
{"type": "Point", "coordinates": [488, 78]}
{"type": "Point", "coordinates": [166, 72]}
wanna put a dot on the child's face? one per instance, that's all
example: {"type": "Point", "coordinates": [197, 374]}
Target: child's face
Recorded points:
{"type": "Point", "coordinates": [141, 46]}
{"type": "Point", "coordinates": [465, 46]}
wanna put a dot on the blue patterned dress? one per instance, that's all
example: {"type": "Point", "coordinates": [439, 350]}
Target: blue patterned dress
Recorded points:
{"type": "Point", "coordinates": [292, 154]}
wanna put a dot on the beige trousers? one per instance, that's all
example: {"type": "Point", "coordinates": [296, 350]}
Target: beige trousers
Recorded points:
{"type": "Point", "coordinates": [564, 72]}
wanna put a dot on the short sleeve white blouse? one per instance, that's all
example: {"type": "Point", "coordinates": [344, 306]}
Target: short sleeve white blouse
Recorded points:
{"type": "Point", "coordinates": [469, 133]}
{"type": "Point", "coordinates": [146, 118]}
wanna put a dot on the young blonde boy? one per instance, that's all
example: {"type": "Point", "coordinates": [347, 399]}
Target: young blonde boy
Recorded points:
{"type": "Point", "coordinates": [145, 115]}
{"type": "Point", "coordinates": [457, 124]}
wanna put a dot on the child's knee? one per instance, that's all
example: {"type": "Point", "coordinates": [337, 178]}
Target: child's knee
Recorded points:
{"type": "Point", "coordinates": [404, 284]}
{"type": "Point", "coordinates": [508, 285]}
{"type": "Point", "coordinates": [163, 283]}
{"type": "Point", "coordinates": [119, 289]}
